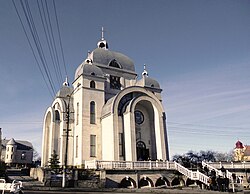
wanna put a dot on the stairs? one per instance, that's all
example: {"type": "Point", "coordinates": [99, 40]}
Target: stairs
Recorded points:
{"type": "Point", "coordinates": [193, 175]}
{"type": "Point", "coordinates": [226, 174]}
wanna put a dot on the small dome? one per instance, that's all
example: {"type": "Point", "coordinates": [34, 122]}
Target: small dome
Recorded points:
{"type": "Point", "coordinates": [148, 82]}
{"type": "Point", "coordinates": [239, 145]}
{"type": "Point", "coordinates": [11, 142]}
{"type": "Point", "coordinates": [88, 69]}
{"type": "Point", "coordinates": [64, 91]}
{"type": "Point", "coordinates": [106, 57]}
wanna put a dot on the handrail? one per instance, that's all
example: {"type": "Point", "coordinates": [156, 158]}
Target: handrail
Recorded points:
{"type": "Point", "coordinates": [218, 172]}
{"type": "Point", "coordinates": [193, 175]}
{"type": "Point", "coordinates": [98, 164]}
{"type": "Point", "coordinates": [228, 174]}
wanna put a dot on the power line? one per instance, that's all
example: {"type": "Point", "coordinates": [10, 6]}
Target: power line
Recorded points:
{"type": "Point", "coordinates": [48, 39]}
{"type": "Point", "coordinates": [53, 39]}
{"type": "Point", "coordinates": [60, 40]}
{"type": "Point", "coordinates": [37, 42]}
{"type": "Point", "coordinates": [206, 126]}
{"type": "Point", "coordinates": [32, 49]}
{"type": "Point", "coordinates": [37, 45]}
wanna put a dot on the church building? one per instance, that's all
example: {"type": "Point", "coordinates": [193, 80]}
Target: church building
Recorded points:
{"type": "Point", "coordinates": [107, 115]}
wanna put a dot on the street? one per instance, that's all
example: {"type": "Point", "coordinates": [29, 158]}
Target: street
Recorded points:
{"type": "Point", "coordinates": [70, 192]}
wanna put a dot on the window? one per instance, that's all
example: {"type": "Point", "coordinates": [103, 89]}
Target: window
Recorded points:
{"type": "Point", "coordinates": [115, 82]}
{"type": "Point", "coordinates": [121, 142]}
{"type": "Point", "coordinates": [8, 149]}
{"type": "Point", "coordinates": [92, 112]}
{"type": "Point", "coordinates": [115, 64]}
{"type": "Point", "coordinates": [12, 149]}
{"type": "Point", "coordinates": [77, 113]}
{"type": "Point", "coordinates": [11, 156]}
{"type": "Point", "coordinates": [92, 145]}
{"type": "Point", "coordinates": [7, 157]}
{"type": "Point", "coordinates": [57, 115]}
{"type": "Point", "coordinates": [76, 146]}
{"type": "Point", "coordinates": [92, 84]}
{"type": "Point", "coordinates": [23, 156]}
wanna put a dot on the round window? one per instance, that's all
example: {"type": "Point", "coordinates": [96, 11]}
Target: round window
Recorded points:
{"type": "Point", "coordinates": [139, 117]}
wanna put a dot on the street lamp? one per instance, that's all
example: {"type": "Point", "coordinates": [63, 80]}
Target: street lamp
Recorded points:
{"type": "Point", "coordinates": [67, 137]}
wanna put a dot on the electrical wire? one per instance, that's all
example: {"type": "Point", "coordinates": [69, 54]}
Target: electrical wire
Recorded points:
{"type": "Point", "coordinates": [32, 49]}
{"type": "Point", "coordinates": [60, 39]}
{"type": "Point", "coordinates": [53, 40]}
{"type": "Point", "coordinates": [48, 39]}
{"type": "Point", "coordinates": [32, 27]}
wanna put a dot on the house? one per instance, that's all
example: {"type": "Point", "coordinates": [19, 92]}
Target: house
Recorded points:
{"type": "Point", "coordinates": [241, 152]}
{"type": "Point", "coordinates": [16, 153]}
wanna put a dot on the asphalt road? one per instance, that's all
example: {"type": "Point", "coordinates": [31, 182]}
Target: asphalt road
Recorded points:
{"type": "Point", "coordinates": [70, 192]}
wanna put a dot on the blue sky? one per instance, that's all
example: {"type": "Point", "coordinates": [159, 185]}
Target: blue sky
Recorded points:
{"type": "Point", "coordinates": [198, 50]}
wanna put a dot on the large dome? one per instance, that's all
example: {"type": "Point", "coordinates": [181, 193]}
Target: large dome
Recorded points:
{"type": "Point", "coordinates": [104, 57]}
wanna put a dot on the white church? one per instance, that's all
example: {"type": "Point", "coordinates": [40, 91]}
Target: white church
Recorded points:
{"type": "Point", "coordinates": [107, 115]}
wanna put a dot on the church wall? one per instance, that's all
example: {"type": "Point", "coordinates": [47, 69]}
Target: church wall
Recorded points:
{"type": "Point", "coordinates": [47, 126]}
{"type": "Point", "coordinates": [129, 137]}
{"type": "Point", "coordinates": [85, 129]}
{"type": "Point", "coordinates": [158, 135]}
{"type": "Point", "coordinates": [78, 127]}
{"type": "Point", "coordinates": [107, 138]}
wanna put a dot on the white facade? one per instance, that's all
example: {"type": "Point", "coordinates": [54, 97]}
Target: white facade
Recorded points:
{"type": "Point", "coordinates": [112, 115]}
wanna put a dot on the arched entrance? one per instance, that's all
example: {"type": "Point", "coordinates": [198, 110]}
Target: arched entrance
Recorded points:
{"type": "Point", "coordinates": [144, 117]}
{"type": "Point", "coordinates": [142, 151]}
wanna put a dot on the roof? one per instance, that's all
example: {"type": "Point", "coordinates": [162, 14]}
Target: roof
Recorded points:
{"type": "Point", "coordinates": [239, 145]}
{"type": "Point", "coordinates": [64, 91]}
{"type": "Point", "coordinates": [146, 81]}
{"type": "Point", "coordinates": [104, 57]}
{"type": "Point", "coordinates": [88, 69]}
{"type": "Point", "coordinates": [247, 150]}
{"type": "Point", "coordinates": [11, 142]}
{"type": "Point", "coordinates": [21, 145]}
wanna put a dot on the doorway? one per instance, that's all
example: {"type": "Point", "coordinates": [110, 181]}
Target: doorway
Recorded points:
{"type": "Point", "coordinates": [142, 151]}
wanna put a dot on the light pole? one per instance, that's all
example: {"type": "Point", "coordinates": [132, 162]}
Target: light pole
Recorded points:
{"type": "Point", "coordinates": [67, 137]}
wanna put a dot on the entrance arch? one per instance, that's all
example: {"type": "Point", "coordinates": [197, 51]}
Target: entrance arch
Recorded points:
{"type": "Point", "coordinates": [142, 151]}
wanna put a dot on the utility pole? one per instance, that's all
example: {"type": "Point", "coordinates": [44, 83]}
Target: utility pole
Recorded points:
{"type": "Point", "coordinates": [67, 137]}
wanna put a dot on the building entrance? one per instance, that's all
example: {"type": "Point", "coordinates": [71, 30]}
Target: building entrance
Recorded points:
{"type": "Point", "coordinates": [142, 151]}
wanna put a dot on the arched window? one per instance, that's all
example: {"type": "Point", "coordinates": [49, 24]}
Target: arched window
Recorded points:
{"type": "Point", "coordinates": [92, 112]}
{"type": "Point", "coordinates": [115, 64]}
{"type": "Point", "coordinates": [92, 84]}
{"type": "Point", "coordinates": [57, 115]}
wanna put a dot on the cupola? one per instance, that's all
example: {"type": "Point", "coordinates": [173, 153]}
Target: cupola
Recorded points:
{"type": "Point", "coordinates": [103, 43]}
{"type": "Point", "coordinates": [239, 145]}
